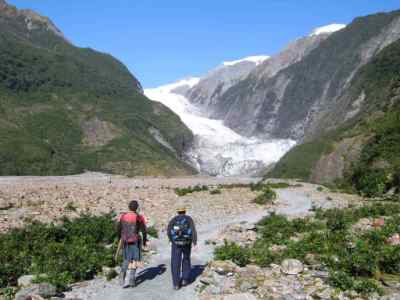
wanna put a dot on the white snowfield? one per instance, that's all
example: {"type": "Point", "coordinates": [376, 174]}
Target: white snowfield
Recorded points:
{"type": "Point", "coordinates": [327, 29]}
{"type": "Point", "coordinates": [217, 149]}
{"type": "Point", "coordinates": [257, 59]}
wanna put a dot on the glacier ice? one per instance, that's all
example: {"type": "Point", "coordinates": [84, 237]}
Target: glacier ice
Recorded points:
{"type": "Point", "coordinates": [218, 150]}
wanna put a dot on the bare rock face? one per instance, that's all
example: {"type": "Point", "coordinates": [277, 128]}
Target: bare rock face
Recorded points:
{"type": "Point", "coordinates": [207, 91]}
{"type": "Point", "coordinates": [99, 133]}
{"type": "Point", "coordinates": [333, 165]}
{"type": "Point", "coordinates": [278, 100]}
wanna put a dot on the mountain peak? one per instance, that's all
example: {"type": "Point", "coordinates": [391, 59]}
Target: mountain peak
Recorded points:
{"type": "Point", "coordinates": [32, 19]}
{"type": "Point", "coordinates": [327, 29]}
{"type": "Point", "coordinates": [257, 59]}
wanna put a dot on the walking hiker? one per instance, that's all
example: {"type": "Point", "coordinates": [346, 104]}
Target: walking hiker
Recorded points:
{"type": "Point", "coordinates": [182, 235]}
{"type": "Point", "coordinates": [130, 225]}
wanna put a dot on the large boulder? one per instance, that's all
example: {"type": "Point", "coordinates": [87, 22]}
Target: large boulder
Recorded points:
{"type": "Point", "coordinates": [292, 267]}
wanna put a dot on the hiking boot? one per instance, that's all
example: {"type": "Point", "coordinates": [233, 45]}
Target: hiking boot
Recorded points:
{"type": "Point", "coordinates": [176, 287]}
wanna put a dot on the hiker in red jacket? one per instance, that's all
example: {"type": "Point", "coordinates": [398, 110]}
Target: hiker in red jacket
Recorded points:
{"type": "Point", "coordinates": [130, 225]}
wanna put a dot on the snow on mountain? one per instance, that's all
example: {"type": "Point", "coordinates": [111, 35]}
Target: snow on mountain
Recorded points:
{"type": "Point", "coordinates": [327, 29]}
{"type": "Point", "coordinates": [257, 59]}
{"type": "Point", "coordinates": [217, 149]}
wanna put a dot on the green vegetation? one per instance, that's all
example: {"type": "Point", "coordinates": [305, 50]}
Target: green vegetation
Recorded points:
{"type": "Point", "coordinates": [267, 196]}
{"type": "Point", "coordinates": [189, 190]}
{"type": "Point", "coordinates": [377, 169]}
{"type": "Point", "coordinates": [355, 260]}
{"type": "Point", "coordinates": [152, 231]}
{"type": "Point", "coordinates": [64, 110]}
{"type": "Point", "coordinates": [299, 162]}
{"type": "Point", "coordinates": [74, 251]}
{"type": "Point", "coordinates": [215, 192]}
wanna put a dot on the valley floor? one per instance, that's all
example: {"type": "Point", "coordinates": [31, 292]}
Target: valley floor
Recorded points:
{"type": "Point", "coordinates": [155, 279]}
{"type": "Point", "coordinates": [48, 198]}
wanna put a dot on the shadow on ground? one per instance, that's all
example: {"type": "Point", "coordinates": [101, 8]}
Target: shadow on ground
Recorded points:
{"type": "Point", "coordinates": [196, 271]}
{"type": "Point", "coordinates": [150, 273]}
{"type": "Point", "coordinates": [153, 272]}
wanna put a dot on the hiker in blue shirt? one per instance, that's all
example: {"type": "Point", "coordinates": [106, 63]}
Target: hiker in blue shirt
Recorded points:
{"type": "Point", "coordinates": [182, 235]}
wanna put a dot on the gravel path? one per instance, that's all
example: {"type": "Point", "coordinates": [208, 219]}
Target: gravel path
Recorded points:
{"type": "Point", "coordinates": [157, 279]}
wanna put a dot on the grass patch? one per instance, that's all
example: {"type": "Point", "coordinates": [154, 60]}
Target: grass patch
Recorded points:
{"type": "Point", "coordinates": [355, 261]}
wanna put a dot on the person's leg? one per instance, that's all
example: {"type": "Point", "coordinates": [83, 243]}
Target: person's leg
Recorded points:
{"type": "Point", "coordinates": [186, 264]}
{"type": "Point", "coordinates": [176, 264]}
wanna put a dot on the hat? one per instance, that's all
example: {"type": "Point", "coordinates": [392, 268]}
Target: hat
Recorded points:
{"type": "Point", "coordinates": [181, 209]}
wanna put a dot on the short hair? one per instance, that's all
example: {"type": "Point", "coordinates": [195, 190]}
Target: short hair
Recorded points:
{"type": "Point", "coordinates": [133, 205]}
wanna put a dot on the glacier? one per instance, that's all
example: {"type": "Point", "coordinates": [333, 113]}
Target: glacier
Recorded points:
{"type": "Point", "coordinates": [217, 150]}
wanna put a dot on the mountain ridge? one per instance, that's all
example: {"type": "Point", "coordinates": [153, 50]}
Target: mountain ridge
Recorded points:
{"type": "Point", "coordinates": [66, 109]}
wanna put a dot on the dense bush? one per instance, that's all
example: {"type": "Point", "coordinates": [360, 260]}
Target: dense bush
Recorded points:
{"type": "Point", "coordinates": [72, 251]}
{"type": "Point", "coordinates": [233, 252]}
{"type": "Point", "coordinates": [355, 260]}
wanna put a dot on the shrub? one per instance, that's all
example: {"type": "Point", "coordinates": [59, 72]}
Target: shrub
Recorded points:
{"type": "Point", "coordinates": [267, 197]}
{"type": "Point", "coordinates": [152, 231]}
{"type": "Point", "coordinates": [215, 192]}
{"type": "Point", "coordinates": [371, 183]}
{"type": "Point", "coordinates": [73, 251]}
{"type": "Point", "coordinates": [233, 252]}
{"type": "Point", "coordinates": [70, 206]}
{"type": "Point", "coordinates": [354, 261]}
{"type": "Point", "coordinates": [279, 185]}
{"type": "Point", "coordinates": [189, 190]}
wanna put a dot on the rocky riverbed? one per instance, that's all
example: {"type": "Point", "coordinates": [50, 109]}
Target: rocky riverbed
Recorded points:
{"type": "Point", "coordinates": [48, 199]}
{"type": "Point", "coordinates": [230, 215]}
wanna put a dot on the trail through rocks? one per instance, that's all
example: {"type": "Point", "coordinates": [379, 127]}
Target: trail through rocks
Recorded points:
{"type": "Point", "coordinates": [155, 280]}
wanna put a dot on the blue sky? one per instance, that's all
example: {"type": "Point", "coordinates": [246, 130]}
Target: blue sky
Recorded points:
{"type": "Point", "coordinates": [161, 41]}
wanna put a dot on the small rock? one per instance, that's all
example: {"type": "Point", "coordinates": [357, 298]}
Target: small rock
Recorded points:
{"type": "Point", "coordinates": [243, 296]}
{"type": "Point", "coordinates": [26, 280]}
{"type": "Point", "coordinates": [277, 248]}
{"type": "Point", "coordinates": [292, 266]}
{"type": "Point", "coordinates": [378, 223]}
{"type": "Point", "coordinates": [394, 240]}
{"type": "Point", "coordinates": [223, 267]}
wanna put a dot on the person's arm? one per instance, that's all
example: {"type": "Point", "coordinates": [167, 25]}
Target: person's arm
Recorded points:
{"type": "Point", "coordinates": [169, 228]}
{"type": "Point", "coordinates": [194, 231]}
{"type": "Point", "coordinates": [143, 230]}
{"type": "Point", "coordinates": [119, 227]}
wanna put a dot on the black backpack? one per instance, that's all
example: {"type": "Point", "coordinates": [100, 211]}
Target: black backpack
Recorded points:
{"type": "Point", "coordinates": [181, 231]}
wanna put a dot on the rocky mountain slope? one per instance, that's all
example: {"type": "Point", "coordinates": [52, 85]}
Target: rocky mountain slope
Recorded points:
{"type": "Point", "coordinates": [65, 109]}
{"type": "Point", "coordinates": [363, 153]}
{"type": "Point", "coordinates": [290, 95]}
{"type": "Point", "coordinates": [206, 93]}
